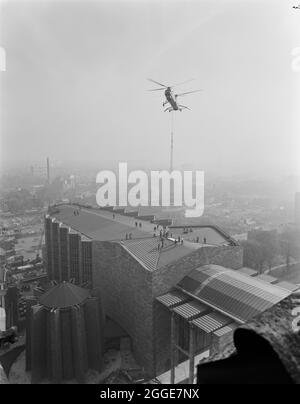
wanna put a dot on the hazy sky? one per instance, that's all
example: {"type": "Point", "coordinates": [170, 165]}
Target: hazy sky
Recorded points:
{"type": "Point", "coordinates": [76, 79]}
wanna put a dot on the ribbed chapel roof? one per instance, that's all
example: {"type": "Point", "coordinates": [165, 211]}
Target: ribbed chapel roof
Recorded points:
{"type": "Point", "coordinates": [64, 295]}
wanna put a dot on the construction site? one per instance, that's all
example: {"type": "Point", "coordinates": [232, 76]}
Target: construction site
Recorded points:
{"type": "Point", "coordinates": [179, 295]}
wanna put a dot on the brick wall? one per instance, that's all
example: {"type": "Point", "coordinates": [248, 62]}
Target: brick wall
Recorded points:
{"type": "Point", "coordinates": [126, 288]}
{"type": "Point", "coordinates": [166, 277]}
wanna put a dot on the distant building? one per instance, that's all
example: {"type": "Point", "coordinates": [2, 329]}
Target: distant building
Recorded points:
{"type": "Point", "coordinates": [64, 334]}
{"type": "Point", "coordinates": [2, 299]}
{"type": "Point", "coordinates": [11, 299]}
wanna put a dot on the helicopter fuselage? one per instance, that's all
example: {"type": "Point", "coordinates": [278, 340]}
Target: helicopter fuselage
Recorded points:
{"type": "Point", "coordinates": [171, 99]}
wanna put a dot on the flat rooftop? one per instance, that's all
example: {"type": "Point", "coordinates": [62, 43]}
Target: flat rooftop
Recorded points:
{"type": "Point", "coordinates": [107, 225]}
{"type": "Point", "coordinates": [99, 225]}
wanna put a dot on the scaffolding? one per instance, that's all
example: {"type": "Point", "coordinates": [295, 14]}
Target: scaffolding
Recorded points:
{"type": "Point", "coordinates": [203, 325]}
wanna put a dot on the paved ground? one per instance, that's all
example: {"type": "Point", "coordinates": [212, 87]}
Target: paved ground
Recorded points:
{"type": "Point", "coordinates": [211, 235]}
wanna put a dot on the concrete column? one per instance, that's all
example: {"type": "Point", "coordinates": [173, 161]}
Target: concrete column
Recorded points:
{"type": "Point", "coordinates": [192, 353]}
{"type": "Point", "coordinates": [29, 304]}
{"type": "Point", "coordinates": [28, 339]}
{"type": "Point", "coordinates": [86, 262]}
{"type": "Point", "coordinates": [55, 346]}
{"type": "Point", "coordinates": [94, 334]}
{"type": "Point", "coordinates": [173, 348]}
{"type": "Point", "coordinates": [48, 242]}
{"type": "Point", "coordinates": [48, 345]}
{"type": "Point", "coordinates": [37, 338]}
{"type": "Point", "coordinates": [64, 253]}
{"type": "Point", "coordinates": [55, 251]}
{"type": "Point", "coordinates": [79, 344]}
{"type": "Point", "coordinates": [75, 257]}
{"type": "Point", "coordinates": [66, 340]}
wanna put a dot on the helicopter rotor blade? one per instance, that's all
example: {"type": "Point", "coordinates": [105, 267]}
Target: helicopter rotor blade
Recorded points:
{"type": "Point", "coordinates": [156, 89]}
{"type": "Point", "coordinates": [183, 106]}
{"type": "Point", "coordinates": [188, 92]}
{"type": "Point", "coordinates": [183, 82]}
{"type": "Point", "coordinates": [156, 82]}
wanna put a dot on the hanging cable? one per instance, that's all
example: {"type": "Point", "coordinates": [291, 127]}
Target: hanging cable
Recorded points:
{"type": "Point", "coordinates": [172, 141]}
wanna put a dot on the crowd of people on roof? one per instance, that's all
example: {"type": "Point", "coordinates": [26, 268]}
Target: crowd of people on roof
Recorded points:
{"type": "Point", "coordinates": [162, 232]}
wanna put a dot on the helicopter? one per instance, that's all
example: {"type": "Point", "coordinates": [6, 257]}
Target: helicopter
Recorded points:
{"type": "Point", "coordinates": [171, 98]}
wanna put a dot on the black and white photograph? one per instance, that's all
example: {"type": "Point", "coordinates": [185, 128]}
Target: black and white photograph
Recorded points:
{"type": "Point", "coordinates": [149, 194]}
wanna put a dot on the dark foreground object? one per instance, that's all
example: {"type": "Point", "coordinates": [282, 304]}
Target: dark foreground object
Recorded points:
{"type": "Point", "coordinates": [266, 351]}
{"type": "Point", "coordinates": [255, 362]}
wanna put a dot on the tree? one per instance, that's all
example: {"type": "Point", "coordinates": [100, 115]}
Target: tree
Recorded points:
{"type": "Point", "coordinates": [290, 244]}
{"type": "Point", "coordinates": [269, 243]}
{"type": "Point", "coordinates": [254, 256]}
